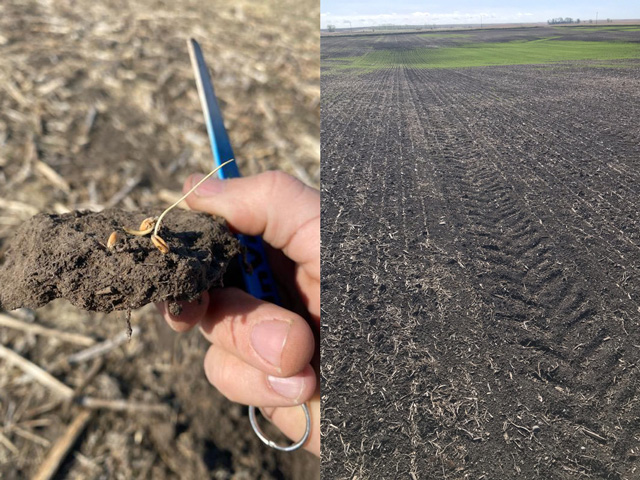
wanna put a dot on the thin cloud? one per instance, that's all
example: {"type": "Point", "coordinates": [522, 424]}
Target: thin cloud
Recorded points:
{"type": "Point", "coordinates": [415, 18]}
{"type": "Point", "coordinates": [376, 12]}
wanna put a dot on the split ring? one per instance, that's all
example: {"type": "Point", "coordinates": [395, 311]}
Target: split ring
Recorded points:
{"type": "Point", "coordinates": [271, 443]}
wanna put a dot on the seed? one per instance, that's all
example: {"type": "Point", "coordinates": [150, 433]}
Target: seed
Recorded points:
{"type": "Point", "coordinates": [148, 224]}
{"type": "Point", "coordinates": [160, 244]}
{"type": "Point", "coordinates": [113, 238]}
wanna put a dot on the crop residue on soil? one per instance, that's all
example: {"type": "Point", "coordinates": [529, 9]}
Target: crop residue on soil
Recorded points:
{"type": "Point", "coordinates": [66, 256]}
{"type": "Point", "coordinates": [481, 266]}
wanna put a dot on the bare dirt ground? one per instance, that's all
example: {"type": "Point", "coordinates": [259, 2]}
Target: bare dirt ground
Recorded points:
{"type": "Point", "coordinates": [481, 271]}
{"type": "Point", "coordinates": [98, 109]}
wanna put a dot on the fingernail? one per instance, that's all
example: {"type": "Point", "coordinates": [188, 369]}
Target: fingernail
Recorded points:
{"type": "Point", "coordinates": [268, 339]}
{"type": "Point", "coordinates": [290, 387]}
{"type": "Point", "coordinates": [209, 187]}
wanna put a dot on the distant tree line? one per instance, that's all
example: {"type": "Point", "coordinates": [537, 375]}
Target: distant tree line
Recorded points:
{"type": "Point", "coordinates": [560, 20]}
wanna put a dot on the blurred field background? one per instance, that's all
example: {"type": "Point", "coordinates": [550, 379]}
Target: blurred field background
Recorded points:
{"type": "Point", "coordinates": [98, 108]}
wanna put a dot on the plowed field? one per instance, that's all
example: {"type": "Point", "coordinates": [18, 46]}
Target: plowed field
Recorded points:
{"type": "Point", "coordinates": [481, 260]}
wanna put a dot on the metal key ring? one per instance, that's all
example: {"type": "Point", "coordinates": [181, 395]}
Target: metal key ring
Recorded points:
{"type": "Point", "coordinates": [271, 443]}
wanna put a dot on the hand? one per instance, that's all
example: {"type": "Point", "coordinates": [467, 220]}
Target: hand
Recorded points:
{"type": "Point", "coordinates": [262, 354]}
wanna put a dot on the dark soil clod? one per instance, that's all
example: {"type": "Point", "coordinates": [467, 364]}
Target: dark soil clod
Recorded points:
{"type": "Point", "coordinates": [65, 256]}
{"type": "Point", "coordinates": [175, 309]}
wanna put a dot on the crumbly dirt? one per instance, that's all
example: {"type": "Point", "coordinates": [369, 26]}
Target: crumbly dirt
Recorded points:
{"type": "Point", "coordinates": [66, 256]}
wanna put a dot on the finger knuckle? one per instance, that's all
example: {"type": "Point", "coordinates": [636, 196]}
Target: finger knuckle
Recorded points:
{"type": "Point", "coordinates": [278, 181]}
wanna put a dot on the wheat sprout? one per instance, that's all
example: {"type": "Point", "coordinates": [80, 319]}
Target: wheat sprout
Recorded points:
{"type": "Point", "coordinates": [147, 225]}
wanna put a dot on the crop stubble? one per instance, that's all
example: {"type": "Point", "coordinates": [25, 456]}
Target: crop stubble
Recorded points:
{"type": "Point", "coordinates": [480, 264]}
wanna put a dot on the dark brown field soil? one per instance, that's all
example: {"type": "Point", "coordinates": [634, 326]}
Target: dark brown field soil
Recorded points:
{"type": "Point", "coordinates": [481, 271]}
{"type": "Point", "coordinates": [66, 256]}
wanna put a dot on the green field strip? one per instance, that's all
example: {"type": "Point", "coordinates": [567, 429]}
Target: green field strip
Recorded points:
{"type": "Point", "coordinates": [542, 51]}
{"type": "Point", "coordinates": [604, 28]}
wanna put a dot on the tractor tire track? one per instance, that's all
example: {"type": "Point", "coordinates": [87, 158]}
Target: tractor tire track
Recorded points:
{"type": "Point", "coordinates": [579, 310]}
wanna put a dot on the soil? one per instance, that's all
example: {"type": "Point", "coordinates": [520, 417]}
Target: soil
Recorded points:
{"type": "Point", "coordinates": [66, 256]}
{"type": "Point", "coordinates": [481, 270]}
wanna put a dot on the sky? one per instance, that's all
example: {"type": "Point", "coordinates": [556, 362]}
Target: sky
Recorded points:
{"type": "Point", "coordinates": [363, 13]}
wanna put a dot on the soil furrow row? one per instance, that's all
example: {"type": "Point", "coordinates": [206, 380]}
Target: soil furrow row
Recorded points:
{"type": "Point", "coordinates": [611, 247]}
{"type": "Point", "coordinates": [489, 269]}
{"type": "Point", "coordinates": [542, 128]}
{"type": "Point", "coordinates": [480, 186]}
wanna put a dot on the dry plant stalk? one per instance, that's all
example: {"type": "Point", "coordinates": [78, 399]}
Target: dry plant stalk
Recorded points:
{"type": "Point", "coordinates": [37, 373]}
{"type": "Point", "coordinates": [152, 224]}
{"type": "Point", "coordinates": [63, 446]}
{"type": "Point", "coordinates": [37, 329]}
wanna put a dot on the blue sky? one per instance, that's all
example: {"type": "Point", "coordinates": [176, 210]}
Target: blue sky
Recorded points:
{"type": "Point", "coordinates": [378, 12]}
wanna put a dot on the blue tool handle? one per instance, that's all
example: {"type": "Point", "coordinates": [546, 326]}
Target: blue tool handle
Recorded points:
{"type": "Point", "coordinates": [259, 280]}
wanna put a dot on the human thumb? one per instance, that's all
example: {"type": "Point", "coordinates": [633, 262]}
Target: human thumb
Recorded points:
{"type": "Point", "coordinates": [282, 209]}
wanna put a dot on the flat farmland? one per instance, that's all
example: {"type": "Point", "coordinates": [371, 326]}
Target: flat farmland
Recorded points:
{"type": "Point", "coordinates": [481, 254]}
